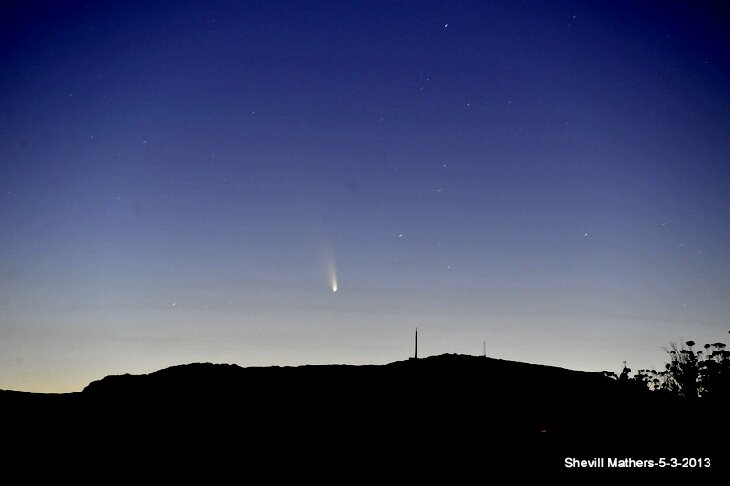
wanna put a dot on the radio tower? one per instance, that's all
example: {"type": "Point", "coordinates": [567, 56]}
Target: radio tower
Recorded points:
{"type": "Point", "coordinates": [416, 355]}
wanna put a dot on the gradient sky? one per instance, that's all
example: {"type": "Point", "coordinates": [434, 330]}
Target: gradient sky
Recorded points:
{"type": "Point", "coordinates": [176, 179]}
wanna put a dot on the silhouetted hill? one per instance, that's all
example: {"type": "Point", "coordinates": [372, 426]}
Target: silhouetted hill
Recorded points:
{"type": "Point", "coordinates": [448, 416]}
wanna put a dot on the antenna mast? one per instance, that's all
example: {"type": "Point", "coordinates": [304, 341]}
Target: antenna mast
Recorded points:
{"type": "Point", "coordinates": [416, 355]}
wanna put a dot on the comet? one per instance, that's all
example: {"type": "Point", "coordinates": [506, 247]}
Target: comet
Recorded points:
{"type": "Point", "coordinates": [332, 272]}
{"type": "Point", "coordinates": [331, 268]}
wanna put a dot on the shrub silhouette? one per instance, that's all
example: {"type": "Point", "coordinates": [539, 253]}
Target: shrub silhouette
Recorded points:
{"type": "Point", "coordinates": [690, 374]}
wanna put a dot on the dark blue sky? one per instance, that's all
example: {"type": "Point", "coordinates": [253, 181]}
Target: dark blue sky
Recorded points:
{"type": "Point", "coordinates": [178, 180]}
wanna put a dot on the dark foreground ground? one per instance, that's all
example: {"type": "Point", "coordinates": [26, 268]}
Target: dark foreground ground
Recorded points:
{"type": "Point", "coordinates": [448, 418]}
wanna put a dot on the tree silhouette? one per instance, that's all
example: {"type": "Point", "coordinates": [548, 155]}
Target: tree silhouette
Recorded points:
{"type": "Point", "coordinates": [701, 374]}
{"type": "Point", "coordinates": [682, 374]}
{"type": "Point", "coordinates": [714, 371]}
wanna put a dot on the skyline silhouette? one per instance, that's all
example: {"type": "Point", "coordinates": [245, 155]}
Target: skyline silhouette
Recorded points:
{"type": "Point", "coordinates": [448, 417]}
